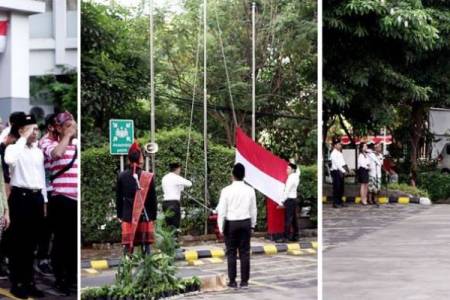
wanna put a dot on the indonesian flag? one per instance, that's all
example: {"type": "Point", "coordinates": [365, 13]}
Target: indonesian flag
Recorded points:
{"type": "Point", "coordinates": [3, 33]}
{"type": "Point", "coordinates": [264, 171]}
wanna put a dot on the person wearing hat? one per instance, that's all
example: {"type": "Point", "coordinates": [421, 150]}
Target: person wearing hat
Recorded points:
{"type": "Point", "coordinates": [136, 203]}
{"type": "Point", "coordinates": [9, 136]}
{"type": "Point", "coordinates": [26, 204]}
{"type": "Point", "coordinates": [236, 217]}
{"type": "Point", "coordinates": [43, 254]}
{"type": "Point", "coordinates": [290, 203]}
{"type": "Point", "coordinates": [338, 170]}
{"type": "Point", "coordinates": [172, 185]}
{"type": "Point", "coordinates": [61, 157]}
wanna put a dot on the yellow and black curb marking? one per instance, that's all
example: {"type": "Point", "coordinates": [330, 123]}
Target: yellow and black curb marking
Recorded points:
{"type": "Point", "coordinates": [381, 200]}
{"type": "Point", "coordinates": [212, 255]}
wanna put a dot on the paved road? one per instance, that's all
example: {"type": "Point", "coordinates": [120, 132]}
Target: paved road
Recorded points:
{"type": "Point", "coordinates": [272, 277]}
{"type": "Point", "coordinates": [394, 252]}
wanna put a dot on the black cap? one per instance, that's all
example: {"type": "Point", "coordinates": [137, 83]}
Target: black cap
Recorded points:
{"type": "Point", "coordinates": [16, 117]}
{"type": "Point", "coordinates": [239, 171]}
{"type": "Point", "coordinates": [293, 166]}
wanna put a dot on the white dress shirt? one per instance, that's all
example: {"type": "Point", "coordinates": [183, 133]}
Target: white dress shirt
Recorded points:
{"type": "Point", "coordinates": [337, 161]}
{"type": "Point", "coordinates": [376, 162]}
{"type": "Point", "coordinates": [364, 161]}
{"type": "Point", "coordinates": [4, 133]}
{"type": "Point", "coordinates": [290, 189]}
{"type": "Point", "coordinates": [237, 202]}
{"type": "Point", "coordinates": [172, 185]}
{"type": "Point", "coordinates": [27, 166]}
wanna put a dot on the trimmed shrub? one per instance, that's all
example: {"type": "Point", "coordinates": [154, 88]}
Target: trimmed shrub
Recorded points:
{"type": "Point", "coordinates": [405, 188]}
{"type": "Point", "coordinates": [437, 184]}
{"type": "Point", "coordinates": [100, 169]}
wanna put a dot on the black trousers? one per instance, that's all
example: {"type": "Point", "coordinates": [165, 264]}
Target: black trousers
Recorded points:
{"type": "Point", "coordinates": [338, 186]}
{"type": "Point", "coordinates": [27, 214]}
{"type": "Point", "coordinates": [237, 237]}
{"type": "Point", "coordinates": [174, 218]}
{"type": "Point", "coordinates": [44, 237]}
{"type": "Point", "coordinates": [290, 219]}
{"type": "Point", "coordinates": [62, 212]}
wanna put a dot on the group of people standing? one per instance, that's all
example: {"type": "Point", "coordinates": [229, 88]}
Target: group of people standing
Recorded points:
{"type": "Point", "coordinates": [38, 196]}
{"type": "Point", "coordinates": [236, 211]}
{"type": "Point", "coordinates": [368, 174]}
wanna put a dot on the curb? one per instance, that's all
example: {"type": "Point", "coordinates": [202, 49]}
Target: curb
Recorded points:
{"type": "Point", "coordinates": [192, 255]}
{"type": "Point", "coordinates": [381, 200]}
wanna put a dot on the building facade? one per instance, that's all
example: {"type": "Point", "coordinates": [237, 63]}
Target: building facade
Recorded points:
{"type": "Point", "coordinates": [40, 40]}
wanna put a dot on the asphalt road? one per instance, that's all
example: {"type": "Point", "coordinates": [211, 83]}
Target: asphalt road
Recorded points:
{"type": "Point", "coordinates": [390, 253]}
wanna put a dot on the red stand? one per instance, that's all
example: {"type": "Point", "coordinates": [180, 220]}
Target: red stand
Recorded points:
{"type": "Point", "coordinates": [275, 220]}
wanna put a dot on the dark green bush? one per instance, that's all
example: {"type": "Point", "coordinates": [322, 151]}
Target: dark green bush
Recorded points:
{"type": "Point", "coordinates": [437, 184]}
{"type": "Point", "coordinates": [99, 173]}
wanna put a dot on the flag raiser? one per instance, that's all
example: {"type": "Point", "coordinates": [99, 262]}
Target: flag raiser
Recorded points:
{"type": "Point", "coordinates": [264, 171]}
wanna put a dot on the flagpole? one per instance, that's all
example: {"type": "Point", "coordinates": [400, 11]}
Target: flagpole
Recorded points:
{"type": "Point", "coordinates": [152, 89]}
{"type": "Point", "coordinates": [205, 114]}
{"type": "Point", "coordinates": [253, 74]}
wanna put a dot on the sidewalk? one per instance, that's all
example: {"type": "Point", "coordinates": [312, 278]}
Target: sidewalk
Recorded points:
{"type": "Point", "coordinates": [405, 259]}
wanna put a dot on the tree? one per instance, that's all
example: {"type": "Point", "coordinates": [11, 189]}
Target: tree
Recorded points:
{"type": "Point", "coordinates": [382, 58]}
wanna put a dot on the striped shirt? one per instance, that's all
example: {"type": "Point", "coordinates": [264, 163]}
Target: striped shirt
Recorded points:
{"type": "Point", "coordinates": [44, 143]}
{"type": "Point", "coordinates": [65, 184]}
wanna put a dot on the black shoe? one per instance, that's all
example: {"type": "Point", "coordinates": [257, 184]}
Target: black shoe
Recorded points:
{"type": "Point", "coordinates": [34, 292]}
{"type": "Point", "coordinates": [62, 288]}
{"type": "Point", "coordinates": [336, 205]}
{"type": "Point", "coordinates": [244, 285]}
{"type": "Point", "coordinates": [19, 291]}
{"type": "Point", "coordinates": [232, 285]}
{"type": "Point", "coordinates": [294, 239]}
{"type": "Point", "coordinates": [43, 268]}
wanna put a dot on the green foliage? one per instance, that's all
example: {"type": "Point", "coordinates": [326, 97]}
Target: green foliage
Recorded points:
{"type": "Point", "coordinates": [115, 71]}
{"type": "Point", "coordinates": [100, 169]}
{"type": "Point", "coordinates": [308, 189]}
{"type": "Point", "coordinates": [403, 187]}
{"type": "Point", "coordinates": [437, 184]}
{"type": "Point", "coordinates": [148, 276]}
{"type": "Point", "coordinates": [385, 64]}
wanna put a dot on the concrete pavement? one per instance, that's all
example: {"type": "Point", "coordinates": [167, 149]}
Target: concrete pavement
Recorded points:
{"type": "Point", "coordinates": [390, 253]}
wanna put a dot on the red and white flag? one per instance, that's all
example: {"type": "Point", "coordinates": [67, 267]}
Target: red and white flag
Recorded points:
{"type": "Point", "coordinates": [3, 33]}
{"type": "Point", "coordinates": [264, 171]}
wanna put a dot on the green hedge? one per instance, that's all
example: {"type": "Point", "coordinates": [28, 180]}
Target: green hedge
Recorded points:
{"type": "Point", "coordinates": [437, 184]}
{"type": "Point", "coordinates": [99, 173]}
{"type": "Point", "coordinates": [403, 187]}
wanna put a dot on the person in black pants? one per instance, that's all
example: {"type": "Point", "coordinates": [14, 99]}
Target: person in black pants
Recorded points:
{"type": "Point", "coordinates": [236, 217]}
{"type": "Point", "coordinates": [26, 203]}
{"type": "Point", "coordinates": [338, 170]}
{"type": "Point", "coordinates": [290, 203]}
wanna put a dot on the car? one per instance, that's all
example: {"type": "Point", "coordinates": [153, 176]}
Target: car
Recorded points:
{"type": "Point", "coordinates": [444, 159]}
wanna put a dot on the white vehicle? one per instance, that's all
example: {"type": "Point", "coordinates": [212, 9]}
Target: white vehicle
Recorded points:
{"type": "Point", "coordinates": [444, 159]}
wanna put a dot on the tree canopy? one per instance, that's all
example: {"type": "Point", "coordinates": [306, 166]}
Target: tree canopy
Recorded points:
{"type": "Point", "coordinates": [385, 64]}
{"type": "Point", "coordinates": [115, 70]}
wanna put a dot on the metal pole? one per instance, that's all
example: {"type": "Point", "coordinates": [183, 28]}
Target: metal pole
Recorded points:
{"type": "Point", "coordinates": [253, 73]}
{"type": "Point", "coordinates": [205, 114]}
{"type": "Point", "coordinates": [152, 87]}
{"type": "Point", "coordinates": [122, 163]}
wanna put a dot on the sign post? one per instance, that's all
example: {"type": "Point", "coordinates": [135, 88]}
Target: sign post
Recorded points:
{"type": "Point", "coordinates": [121, 136]}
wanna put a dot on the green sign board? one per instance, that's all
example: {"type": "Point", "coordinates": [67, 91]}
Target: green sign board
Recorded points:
{"type": "Point", "coordinates": [121, 136]}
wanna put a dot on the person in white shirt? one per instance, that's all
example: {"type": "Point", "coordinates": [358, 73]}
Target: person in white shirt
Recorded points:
{"type": "Point", "coordinates": [338, 170]}
{"type": "Point", "coordinates": [172, 185]}
{"type": "Point", "coordinates": [376, 163]}
{"type": "Point", "coordinates": [26, 203]}
{"type": "Point", "coordinates": [290, 203]}
{"type": "Point", "coordinates": [363, 171]}
{"type": "Point", "coordinates": [236, 217]}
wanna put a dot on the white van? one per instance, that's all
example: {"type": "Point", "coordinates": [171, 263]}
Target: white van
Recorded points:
{"type": "Point", "coordinates": [444, 159]}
